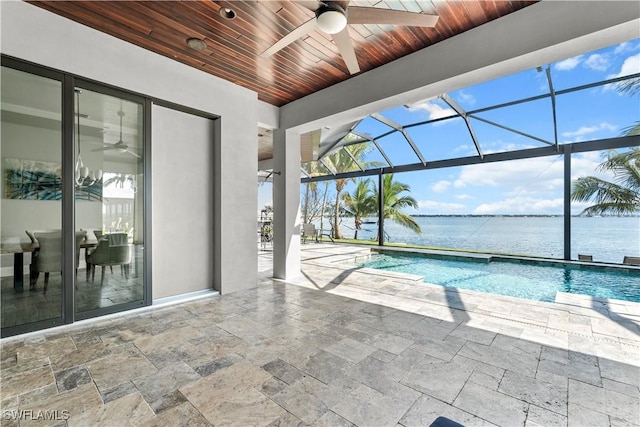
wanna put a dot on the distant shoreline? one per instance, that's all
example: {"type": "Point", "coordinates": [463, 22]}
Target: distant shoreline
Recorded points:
{"type": "Point", "coordinates": [521, 216]}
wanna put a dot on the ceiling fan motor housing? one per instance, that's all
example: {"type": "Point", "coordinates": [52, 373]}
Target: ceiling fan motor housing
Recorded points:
{"type": "Point", "coordinates": [331, 18]}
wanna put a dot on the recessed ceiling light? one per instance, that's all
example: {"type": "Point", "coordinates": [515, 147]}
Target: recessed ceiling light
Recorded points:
{"type": "Point", "coordinates": [196, 43]}
{"type": "Point", "coordinates": [227, 13]}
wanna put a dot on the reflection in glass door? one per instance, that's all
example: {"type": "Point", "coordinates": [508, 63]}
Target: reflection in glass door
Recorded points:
{"type": "Point", "coordinates": [109, 201]}
{"type": "Point", "coordinates": [31, 203]}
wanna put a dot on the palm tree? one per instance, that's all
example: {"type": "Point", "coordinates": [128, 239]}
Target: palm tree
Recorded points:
{"type": "Point", "coordinates": [343, 161]}
{"type": "Point", "coordinates": [313, 203]}
{"type": "Point", "coordinates": [620, 197]}
{"type": "Point", "coordinates": [394, 201]}
{"type": "Point", "coordinates": [360, 203]}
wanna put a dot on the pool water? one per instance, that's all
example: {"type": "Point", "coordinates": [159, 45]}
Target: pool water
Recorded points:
{"type": "Point", "coordinates": [529, 281]}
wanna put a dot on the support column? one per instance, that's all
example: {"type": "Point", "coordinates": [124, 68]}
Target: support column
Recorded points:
{"type": "Point", "coordinates": [286, 205]}
{"type": "Point", "coordinates": [567, 202]}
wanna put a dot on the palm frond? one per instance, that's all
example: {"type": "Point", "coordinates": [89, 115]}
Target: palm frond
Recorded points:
{"type": "Point", "coordinates": [610, 208]}
{"type": "Point", "coordinates": [625, 167]}
{"type": "Point", "coordinates": [394, 201]}
{"type": "Point", "coordinates": [634, 129]}
{"type": "Point", "coordinates": [406, 221]}
{"type": "Point", "coordinates": [631, 86]}
{"type": "Point", "coordinates": [608, 197]}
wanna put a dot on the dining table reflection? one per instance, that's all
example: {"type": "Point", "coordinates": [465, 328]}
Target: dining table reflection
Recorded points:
{"type": "Point", "coordinates": [18, 247]}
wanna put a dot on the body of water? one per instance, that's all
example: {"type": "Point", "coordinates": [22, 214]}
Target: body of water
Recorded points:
{"type": "Point", "coordinates": [607, 239]}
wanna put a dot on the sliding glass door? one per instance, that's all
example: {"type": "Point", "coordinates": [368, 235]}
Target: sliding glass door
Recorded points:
{"type": "Point", "coordinates": [72, 198]}
{"type": "Point", "coordinates": [31, 201]}
{"type": "Point", "coordinates": [109, 182]}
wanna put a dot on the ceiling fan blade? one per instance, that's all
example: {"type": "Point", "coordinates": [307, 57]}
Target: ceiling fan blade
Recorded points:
{"type": "Point", "coordinates": [374, 15]}
{"type": "Point", "coordinates": [294, 35]}
{"type": "Point", "coordinates": [345, 47]}
{"type": "Point", "coordinates": [133, 154]}
{"type": "Point", "coordinates": [105, 148]}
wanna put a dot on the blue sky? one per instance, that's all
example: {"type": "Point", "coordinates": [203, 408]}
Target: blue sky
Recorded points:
{"type": "Point", "coordinates": [532, 186]}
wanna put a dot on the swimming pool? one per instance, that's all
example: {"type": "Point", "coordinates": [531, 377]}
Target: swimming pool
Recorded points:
{"type": "Point", "coordinates": [530, 281]}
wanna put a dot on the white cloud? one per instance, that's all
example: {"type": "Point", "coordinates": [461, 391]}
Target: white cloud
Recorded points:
{"type": "Point", "coordinates": [585, 164]}
{"type": "Point", "coordinates": [597, 62]}
{"type": "Point", "coordinates": [533, 176]}
{"type": "Point", "coordinates": [465, 149]}
{"type": "Point", "coordinates": [625, 47]}
{"type": "Point", "coordinates": [568, 64]}
{"type": "Point", "coordinates": [522, 205]}
{"type": "Point", "coordinates": [435, 111]}
{"type": "Point", "coordinates": [441, 186]}
{"type": "Point", "coordinates": [631, 65]}
{"type": "Point", "coordinates": [581, 132]}
{"type": "Point", "coordinates": [466, 98]}
{"type": "Point", "coordinates": [501, 146]}
{"type": "Point", "coordinates": [464, 197]}
{"type": "Point", "coordinates": [443, 208]}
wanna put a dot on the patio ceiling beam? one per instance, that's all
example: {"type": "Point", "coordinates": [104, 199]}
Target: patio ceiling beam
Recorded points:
{"type": "Point", "coordinates": [334, 144]}
{"type": "Point", "coordinates": [458, 109]}
{"type": "Point", "coordinates": [553, 107]}
{"type": "Point", "coordinates": [510, 129]}
{"type": "Point", "coordinates": [529, 153]}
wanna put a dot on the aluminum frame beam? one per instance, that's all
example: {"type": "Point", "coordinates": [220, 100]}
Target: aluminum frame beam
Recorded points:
{"type": "Point", "coordinates": [399, 128]}
{"type": "Point", "coordinates": [386, 158]}
{"type": "Point", "coordinates": [354, 159]}
{"type": "Point", "coordinates": [530, 153]}
{"type": "Point", "coordinates": [462, 113]}
{"type": "Point", "coordinates": [553, 107]}
{"type": "Point", "coordinates": [510, 129]}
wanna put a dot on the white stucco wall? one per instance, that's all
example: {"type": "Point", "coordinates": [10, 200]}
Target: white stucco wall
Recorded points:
{"type": "Point", "coordinates": [32, 34]}
{"type": "Point", "coordinates": [183, 202]}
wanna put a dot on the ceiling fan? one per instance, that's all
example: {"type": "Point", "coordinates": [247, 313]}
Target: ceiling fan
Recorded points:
{"type": "Point", "coordinates": [119, 146]}
{"type": "Point", "coordinates": [332, 18]}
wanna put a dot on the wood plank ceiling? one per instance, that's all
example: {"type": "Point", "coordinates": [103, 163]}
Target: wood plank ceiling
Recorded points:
{"type": "Point", "coordinates": [233, 45]}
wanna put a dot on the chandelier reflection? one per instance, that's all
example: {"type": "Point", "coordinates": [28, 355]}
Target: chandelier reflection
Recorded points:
{"type": "Point", "coordinates": [84, 177]}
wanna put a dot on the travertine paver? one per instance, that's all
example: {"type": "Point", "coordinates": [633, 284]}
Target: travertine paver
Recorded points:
{"type": "Point", "coordinates": [604, 401]}
{"type": "Point", "coordinates": [491, 405]}
{"type": "Point", "coordinates": [350, 348]}
{"type": "Point", "coordinates": [552, 397]}
{"type": "Point", "coordinates": [427, 409]}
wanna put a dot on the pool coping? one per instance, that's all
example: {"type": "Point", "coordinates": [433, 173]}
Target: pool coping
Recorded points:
{"type": "Point", "coordinates": [605, 321]}
{"type": "Point", "coordinates": [487, 257]}
{"type": "Point", "coordinates": [562, 299]}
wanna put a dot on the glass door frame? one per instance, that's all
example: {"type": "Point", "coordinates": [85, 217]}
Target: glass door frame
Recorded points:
{"type": "Point", "coordinates": [145, 102]}
{"type": "Point", "coordinates": [69, 83]}
{"type": "Point", "coordinates": [35, 70]}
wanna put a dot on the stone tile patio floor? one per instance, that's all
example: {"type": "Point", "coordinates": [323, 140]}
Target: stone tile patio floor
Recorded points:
{"type": "Point", "coordinates": [342, 346]}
